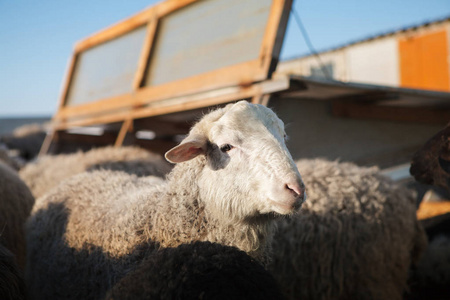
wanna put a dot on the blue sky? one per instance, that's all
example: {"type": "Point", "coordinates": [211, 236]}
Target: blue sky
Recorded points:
{"type": "Point", "coordinates": [37, 37]}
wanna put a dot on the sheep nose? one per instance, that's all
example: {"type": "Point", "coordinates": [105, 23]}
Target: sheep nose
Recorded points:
{"type": "Point", "coordinates": [297, 189]}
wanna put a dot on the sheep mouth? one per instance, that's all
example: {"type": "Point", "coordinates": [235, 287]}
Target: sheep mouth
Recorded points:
{"type": "Point", "coordinates": [286, 207]}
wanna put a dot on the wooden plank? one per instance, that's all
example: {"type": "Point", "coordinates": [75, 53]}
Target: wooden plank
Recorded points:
{"type": "Point", "coordinates": [177, 106]}
{"type": "Point", "coordinates": [145, 53]}
{"type": "Point", "coordinates": [248, 72]}
{"type": "Point", "coordinates": [119, 108]}
{"type": "Point", "coordinates": [256, 99]}
{"type": "Point", "coordinates": [141, 97]}
{"type": "Point", "coordinates": [166, 7]}
{"type": "Point", "coordinates": [116, 30]}
{"type": "Point", "coordinates": [101, 106]}
{"type": "Point", "coordinates": [123, 132]}
{"type": "Point", "coordinates": [167, 106]}
{"type": "Point", "coordinates": [426, 115]}
{"type": "Point", "coordinates": [274, 34]}
{"type": "Point", "coordinates": [49, 138]}
{"type": "Point", "coordinates": [92, 120]}
{"type": "Point", "coordinates": [277, 41]}
{"type": "Point", "coordinates": [130, 23]}
{"type": "Point", "coordinates": [163, 127]}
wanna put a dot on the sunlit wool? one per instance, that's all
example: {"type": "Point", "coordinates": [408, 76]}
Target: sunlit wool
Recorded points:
{"type": "Point", "coordinates": [49, 170]}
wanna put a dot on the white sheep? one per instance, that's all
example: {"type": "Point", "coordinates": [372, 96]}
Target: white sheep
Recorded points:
{"type": "Point", "coordinates": [355, 237]}
{"type": "Point", "coordinates": [48, 171]}
{"type": "Point", "coordinates": [233, 177]}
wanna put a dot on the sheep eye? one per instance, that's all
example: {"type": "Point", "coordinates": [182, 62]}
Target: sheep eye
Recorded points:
{"type": "Point", "coordinates": [226, 148]}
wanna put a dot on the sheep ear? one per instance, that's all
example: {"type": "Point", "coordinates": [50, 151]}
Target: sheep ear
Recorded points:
{"type": "Point", "coordinates": [187, 150]}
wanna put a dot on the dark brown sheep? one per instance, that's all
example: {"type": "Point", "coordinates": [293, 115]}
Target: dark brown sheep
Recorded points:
{"type": "Point", "coordinates": [12, 285]}
{"type": "Point", "coordinates": [201, 270]}
{"type": "Point", "coordinates": [431, 164]}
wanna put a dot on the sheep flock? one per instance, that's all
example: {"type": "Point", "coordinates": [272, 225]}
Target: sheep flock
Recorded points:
{"type": "Point", "coordinates": [227, 214]}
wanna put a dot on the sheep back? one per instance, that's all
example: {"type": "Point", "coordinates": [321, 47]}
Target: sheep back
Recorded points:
{"type": "Point", "coordinates": [130, 218]}
{"type": "Point", "coordinates": [48, 171]}
{"type": "Point", "coordinates": [430, 278]}
{"type": "Point", "coordinates": [354, 238]}
{"type": "Point", "coordinates": [100, 220]}
{"type": "Point", "coordinates": [201, 270]}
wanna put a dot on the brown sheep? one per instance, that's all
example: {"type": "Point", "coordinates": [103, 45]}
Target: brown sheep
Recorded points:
{"type": "Point", "coordinates": [16, 202]}
{"type": "Point", "coordinates": [200, 270]}
{"type": "Point", "coordinates": [12, 285]}
{"type": "Point", "coordinates": [431, 164]}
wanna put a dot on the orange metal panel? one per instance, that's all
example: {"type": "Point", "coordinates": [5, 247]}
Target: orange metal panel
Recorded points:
{"type": "Point", "coordinates": [424, 61]}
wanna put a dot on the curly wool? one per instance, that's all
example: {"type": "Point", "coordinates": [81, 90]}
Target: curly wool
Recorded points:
{"type": "Point", "coordinates": [12, 285]}
{"type": "Point", "coordinates": [48, 171]}
{"type": "Point", "coordinates": [16, 202]}
{"type": "Point", "coordinates": [430, 278]}
{"type": "Point", "coordinates": [355, 237]}
{"type": "Point", "coordinates": [201, 270]}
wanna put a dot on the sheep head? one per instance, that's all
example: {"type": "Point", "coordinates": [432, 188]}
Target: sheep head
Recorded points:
{"type": "Point", "coordinates": [248, 171]}
{"type": "Point", "coordinates": [431, 164]}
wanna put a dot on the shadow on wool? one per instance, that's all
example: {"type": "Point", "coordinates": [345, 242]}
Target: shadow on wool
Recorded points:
{"type": "Point", "coordinates": [59, 271]}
